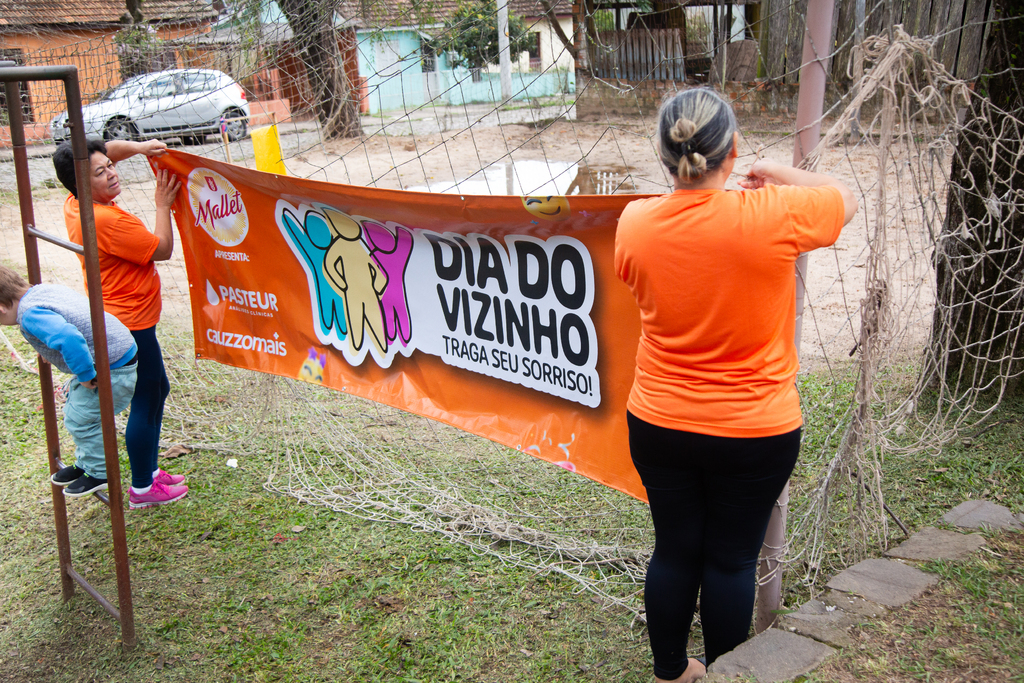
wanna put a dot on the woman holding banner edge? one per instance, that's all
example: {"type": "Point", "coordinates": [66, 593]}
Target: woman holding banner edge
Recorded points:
{"type": "Point", "coordinates": [132, 293]}
{"type": "Point", "coordinates": [714, 414]}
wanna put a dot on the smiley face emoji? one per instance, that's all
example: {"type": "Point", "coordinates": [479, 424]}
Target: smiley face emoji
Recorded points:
{"type": "Point", "coordinates": [554, 208]}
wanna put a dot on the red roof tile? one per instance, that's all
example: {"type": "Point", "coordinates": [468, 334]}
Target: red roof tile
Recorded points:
{"type": "Point", "coordinates": [50, 12]}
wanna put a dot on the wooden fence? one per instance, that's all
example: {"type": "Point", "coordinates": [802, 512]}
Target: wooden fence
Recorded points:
{"type": "Point", "coordinates": [640, 54]}
{"type": "Point", "coordinates": [957, 26]}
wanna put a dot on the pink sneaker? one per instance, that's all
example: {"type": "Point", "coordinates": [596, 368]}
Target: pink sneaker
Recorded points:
{"type": "Point", "coordinates": [168, 479]}
{"type": "Point", "coordinates": [158, 494]}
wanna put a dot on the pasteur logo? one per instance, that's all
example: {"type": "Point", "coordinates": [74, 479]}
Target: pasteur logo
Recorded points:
{"type": "Point", "coordinates": [553, 208]}
{"type": "Point", "coordinates": [218, 207]}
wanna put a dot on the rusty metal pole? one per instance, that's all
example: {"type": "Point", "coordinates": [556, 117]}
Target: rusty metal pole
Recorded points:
{"type": "Point", "coordinates": [810, 106]}
{"type": "Point", "coordinates": [60, 512]}
{"type": "Point", "coordinates": [99, 332]}
{"type": "Point", "coordinates": [11, 74]}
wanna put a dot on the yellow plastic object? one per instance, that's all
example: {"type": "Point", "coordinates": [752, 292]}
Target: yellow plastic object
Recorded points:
{"type": "Point", "coordinates": [267, 146]}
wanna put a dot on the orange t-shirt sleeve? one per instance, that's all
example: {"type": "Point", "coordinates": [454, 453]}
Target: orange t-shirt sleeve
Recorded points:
{"type": "Point", "coordinates": [127, 238]}
{"type": "Point", "coordinates": [816, 215]}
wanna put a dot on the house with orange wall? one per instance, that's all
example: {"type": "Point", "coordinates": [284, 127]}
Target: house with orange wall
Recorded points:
{"type": "Point", "coordinates": [82, 33]}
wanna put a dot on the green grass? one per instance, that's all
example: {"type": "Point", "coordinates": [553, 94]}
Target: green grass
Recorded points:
{"type": "Point", "coordinates": [969, 627]}
{"type": "Point", "coordinates": [236, 583]}
{"type": "Point", "coordinates": [9, 197]}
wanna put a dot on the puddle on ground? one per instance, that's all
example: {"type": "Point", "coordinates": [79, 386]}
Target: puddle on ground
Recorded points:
{"type": "Point", "coordinates": [539, 178]}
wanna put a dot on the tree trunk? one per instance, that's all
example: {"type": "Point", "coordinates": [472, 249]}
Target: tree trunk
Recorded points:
{"type": "Point", "coordinates": [134, 11]}
{"type": "Point", "coordinates": [316, 39]}
{"type": "Point", "coordinates": [977, 332]}
{"type": "Point", "coordinates": [549, 14]}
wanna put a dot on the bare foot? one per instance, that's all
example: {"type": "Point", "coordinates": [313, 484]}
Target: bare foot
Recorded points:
{"type": "Point", "coordinates": [694, 671]}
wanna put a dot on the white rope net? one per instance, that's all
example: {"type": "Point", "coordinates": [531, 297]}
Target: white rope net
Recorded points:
{"type": "Point", "coordinates": [877, 382]}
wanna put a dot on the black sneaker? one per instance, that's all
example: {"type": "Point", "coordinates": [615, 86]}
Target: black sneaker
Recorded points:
{"type": "Point", "coordinates": [85, 486]}
{"type": "Point", "coordinates": [67, 475]}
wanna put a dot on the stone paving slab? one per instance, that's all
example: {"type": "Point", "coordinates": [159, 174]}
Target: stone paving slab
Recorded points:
{"type": "Point", "coordinates": [831, 628]}
{"type": "Point", "coordinates": [715, 678]}
{"type": "Point", "coordinates": [815, 607]}
{"type": "Point", "coordinates": [864, 591]}
{"type": "Point", "coordinates": [772, 656]}
{"type": "Point", "coordinates": [884, 581]}
{"type": "Point", "coordinates": [935, 544]}
{"type": "Point", "coordinates": [977, 514]}
{"type": "Point", "coordinates": [854, 604]}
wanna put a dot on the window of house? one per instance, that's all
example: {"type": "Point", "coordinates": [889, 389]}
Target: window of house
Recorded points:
{"type": "Point", "coordinates": [428, 58]}
{"type": "Point", "coordinates": [534, 50]}
{"type": "Point", "coordinates": [16, 56]}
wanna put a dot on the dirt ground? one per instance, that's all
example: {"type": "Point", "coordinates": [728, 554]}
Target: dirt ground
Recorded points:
{"type": "Point", "coordinates": [560, 157]}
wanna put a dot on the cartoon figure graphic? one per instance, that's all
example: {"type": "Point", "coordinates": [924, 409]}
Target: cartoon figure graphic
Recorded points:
{"type": "Point", "coordinates": [553, 208]}
{"type": "Point", "coordinates": [359, 279]}
{"type": "Point", "coordinates": [566, 464]}
{"type": "Point", "coordinates": [313, 236]}
{"type": "Point", "coordinates": [564, 447]}
{"type": "Point", "coordinates": [312, 369]}
{"type": "Point", "coordinates": [356, 270]}
{"type": "Point", "coordinates": [391, 252]}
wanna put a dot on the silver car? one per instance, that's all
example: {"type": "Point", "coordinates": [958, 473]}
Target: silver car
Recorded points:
{"type": "Point", "coordinates": [183, 103]}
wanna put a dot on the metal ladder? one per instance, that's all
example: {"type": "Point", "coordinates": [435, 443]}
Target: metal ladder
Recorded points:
{"type": "Point", "coordinates": [11, 75]}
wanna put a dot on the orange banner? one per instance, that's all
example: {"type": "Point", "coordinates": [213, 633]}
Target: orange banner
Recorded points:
{"type": "Point", "coordinates": [499, 315]}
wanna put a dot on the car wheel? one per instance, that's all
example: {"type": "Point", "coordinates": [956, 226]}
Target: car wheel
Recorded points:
{"type": "Point", "coordinates": [235, 129]}
{"type": "Point", "coordinates": [120, 129]}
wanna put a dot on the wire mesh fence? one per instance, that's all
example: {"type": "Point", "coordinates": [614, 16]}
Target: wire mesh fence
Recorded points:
{"type": "Point", "coordinates": [408, 96]}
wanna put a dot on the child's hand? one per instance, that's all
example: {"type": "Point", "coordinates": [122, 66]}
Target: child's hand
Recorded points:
{"type": "Point", "coordinates": [91, 384]}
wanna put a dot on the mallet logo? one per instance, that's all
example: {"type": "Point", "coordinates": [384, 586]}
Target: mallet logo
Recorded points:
{"type": "Point", "coordinates": [217, 207]}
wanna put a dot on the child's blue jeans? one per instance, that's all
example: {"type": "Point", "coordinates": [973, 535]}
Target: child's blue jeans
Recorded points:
{"type": "Point", "coordinates": [82, 418]}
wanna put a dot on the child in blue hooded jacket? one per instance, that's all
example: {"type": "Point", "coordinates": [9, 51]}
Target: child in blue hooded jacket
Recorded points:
{"type": "Point", "coordinates": [55, 320]}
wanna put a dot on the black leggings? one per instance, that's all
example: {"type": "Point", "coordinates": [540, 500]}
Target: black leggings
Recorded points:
{"type": "Point", "coordinates": [142, 434]}
{"type": "Point", "coordinates": [711, 498]}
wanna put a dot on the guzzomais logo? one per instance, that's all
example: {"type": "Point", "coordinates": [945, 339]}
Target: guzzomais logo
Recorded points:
{"type": "Point", "coordinates": [217, 207]}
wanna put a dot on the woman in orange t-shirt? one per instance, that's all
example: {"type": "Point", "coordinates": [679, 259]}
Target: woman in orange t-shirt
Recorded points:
{"type": "Point", "coordinates": [714, 415]}
{"type": "Point", "coordinates": [131, 293]}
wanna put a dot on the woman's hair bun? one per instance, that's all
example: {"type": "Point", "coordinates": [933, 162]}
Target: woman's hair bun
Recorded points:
{"type": "Point", "coordinates": [695, 132]}
{"type": "Point", "coordinates": [682, 130]}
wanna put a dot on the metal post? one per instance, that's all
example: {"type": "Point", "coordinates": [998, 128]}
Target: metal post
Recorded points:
{"type": "Point", "coordinates": [99, 334]}
{"type": "Point", "coordinates": [810, 105]}
{"type": "Point", "coordinates": [726, 31]}
{"type": "Point", "coordinates": [858, 66]}
{"type": "Point", "coordinates": [504, 60]}
{"type": "Point", "coordinates": [69, 75]}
